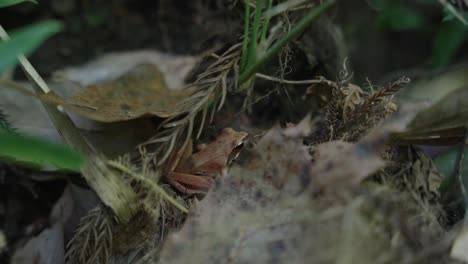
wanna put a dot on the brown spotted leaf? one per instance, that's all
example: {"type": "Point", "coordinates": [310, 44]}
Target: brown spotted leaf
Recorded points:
{"type": "Point", "coordinates": [140, 92]}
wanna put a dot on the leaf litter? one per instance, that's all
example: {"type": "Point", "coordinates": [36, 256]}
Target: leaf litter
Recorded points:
{"type": "Point", "coordinates": [285, 202]}
{"type": "Point", "coordinates": [285, 205]}
{"type": "Point", "coordinates": [347, 196]}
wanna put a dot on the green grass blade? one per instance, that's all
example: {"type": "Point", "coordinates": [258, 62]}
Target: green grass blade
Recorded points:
{"type": "Point", "coordinates": [267, 21]}
{"type": "Point", "coordinates": [37, 152]}
{"type": "Point", "coordinates": [24, 41]}
{"type": "Point", "coordinates": [246, 36]}
{"type": "Point", "coordinates": [275, 48]}
{"type": "Point", "coordinates": [251, 58]}
{"type": "Point", "coordinates": [5, 3]}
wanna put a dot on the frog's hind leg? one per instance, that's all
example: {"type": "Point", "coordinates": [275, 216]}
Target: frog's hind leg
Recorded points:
{"type": "Point", "coordinates": [189, 184]}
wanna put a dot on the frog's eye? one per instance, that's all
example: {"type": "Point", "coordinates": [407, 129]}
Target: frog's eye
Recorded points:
{"type": "Point", "coordinates": [235, 152]}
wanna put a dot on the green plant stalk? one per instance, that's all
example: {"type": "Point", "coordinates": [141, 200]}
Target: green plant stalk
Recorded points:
{"type": "Point", "coordinates": [295, 31]}
{"type": "Point", "coordinates": [253, 40]}
{"type": "Point", "coordinates": [266, 23]}
{"type": "Point", "coordinates": [246, 36]}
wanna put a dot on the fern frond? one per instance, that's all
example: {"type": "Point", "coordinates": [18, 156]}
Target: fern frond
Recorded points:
{"type": "Point", "coordinates": [92, 242]}
{"type": "Point", "coordinates": [211, 88]}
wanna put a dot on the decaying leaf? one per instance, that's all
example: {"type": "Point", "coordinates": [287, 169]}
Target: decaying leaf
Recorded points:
{"type": "Point", "coordinates": [427, 179]}
{"type": "Point", "coordinates": [140, 92]}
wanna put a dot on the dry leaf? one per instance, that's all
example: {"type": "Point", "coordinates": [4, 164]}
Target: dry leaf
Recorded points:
{"type": "Point", "coordinates": [140, 92]}
{"type": "Point", "coordinates": [352, 97]}
{"type": "Point", "coordinates": [426, 178]}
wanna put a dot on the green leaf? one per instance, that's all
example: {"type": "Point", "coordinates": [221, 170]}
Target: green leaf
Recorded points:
{"type": "Point", "coordinates": [37, 152]}
{"type": "Point", "coordinates": [379, 4]}
{"type": "Point", "coordinates": [399, 17]}
{"type": "Point", "coordinates": [449, 15]}
{"type": "Point", "coordinates": [449, 38]}
{"type": "Point", "coordinates": [5, 3]}
{"type": "Point", "coordinates": [24, 41]}
{"type": "Point", "coordinates": [446, 165]}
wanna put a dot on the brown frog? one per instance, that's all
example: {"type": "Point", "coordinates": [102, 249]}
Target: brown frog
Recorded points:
{"type": "Point", "coordinates": [196, 172]}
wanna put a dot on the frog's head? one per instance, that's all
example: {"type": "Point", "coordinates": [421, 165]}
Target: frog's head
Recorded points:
{"type": "Point", "coordinates": [235, 142]}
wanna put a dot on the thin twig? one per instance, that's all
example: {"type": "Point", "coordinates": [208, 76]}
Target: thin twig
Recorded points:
{"type": "Point", "coordinates": [294, 82]}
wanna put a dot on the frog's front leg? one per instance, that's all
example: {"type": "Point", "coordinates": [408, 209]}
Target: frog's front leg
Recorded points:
{"type": "Point", "coordinates": [188, 183]}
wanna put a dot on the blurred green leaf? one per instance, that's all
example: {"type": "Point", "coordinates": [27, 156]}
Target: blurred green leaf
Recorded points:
{"type": "Point", "coordinates": [448, 40]}
{"type": "Point", "coordinates": [24, 41]}
{"type": "Point", "coordinates": [379, 4]}
{"type": "Point", "coordinates": [37, 152]}
{"type": "Point", "coordinates": [5, 3]}
{"type": "Point", "coordinates": [399, 17]}
{"type": "Point", "coordinates": [96, 18]}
